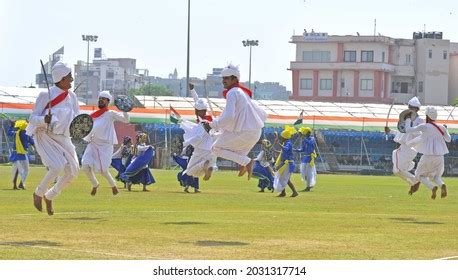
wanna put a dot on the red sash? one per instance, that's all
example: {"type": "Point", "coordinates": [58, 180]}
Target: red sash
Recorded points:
{"type": "Point", "coordinates": [438, 128]}
{"type": "Point", "coordinates": [239, 85]}
{"type": "Point", "coordinates": [99, 112]}
{"type": "Point", "coordinates": [61, 97]}
{"type": "Point", "coordinates": [206, 117]}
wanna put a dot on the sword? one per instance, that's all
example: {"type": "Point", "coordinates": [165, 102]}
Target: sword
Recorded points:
{"type": "Point", "coordinates": [49, 92]}
{"type": "Point", "coordinates": [387, 117]}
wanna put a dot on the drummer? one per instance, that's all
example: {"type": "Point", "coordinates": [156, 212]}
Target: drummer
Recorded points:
{"type": "Point", "coordinates": [49, 125]}
{"type": "Point", "coordinates": [97, 156]}
{"type": "Point", "coordinates": [403, 156]}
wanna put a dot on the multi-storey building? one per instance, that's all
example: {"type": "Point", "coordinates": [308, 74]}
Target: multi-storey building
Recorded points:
{"type": "Point", "coordinates": [374, 68]}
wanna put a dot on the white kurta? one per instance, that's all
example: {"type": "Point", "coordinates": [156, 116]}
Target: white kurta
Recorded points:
{"type": "Point", "coordinates": [98, 153]}
{"type": "Point", "coordinates": [241, 123]}
{"type": "Point", "coordinates": [202, 142]}
{"type": "Point", "coordinates": [54, 145]}
{"type": "Point", "coordinates": [431, 143]}
{"type": "Point", "coordinates": [403, 156]}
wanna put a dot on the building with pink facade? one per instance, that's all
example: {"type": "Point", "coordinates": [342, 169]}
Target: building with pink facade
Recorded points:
{"type": "Point", "coordinates": [374, 69]}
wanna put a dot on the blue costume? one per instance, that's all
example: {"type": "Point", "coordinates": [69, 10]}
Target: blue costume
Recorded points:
{"type": "Point", "coordinates": [137, 172]}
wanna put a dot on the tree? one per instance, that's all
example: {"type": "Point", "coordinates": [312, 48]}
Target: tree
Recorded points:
{"type": "Point", "coordinates": [152, 90]}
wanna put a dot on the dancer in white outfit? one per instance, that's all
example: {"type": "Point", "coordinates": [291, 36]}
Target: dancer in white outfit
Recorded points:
{"type": "Point", "coordinates": [98, 154]}
{"type": "Point", "coordinates": [403, 156]}
{"type": "Point", "coordinates": [49, 125]}
{"type": "Point", "coordinates": [432, 145]}
{"type": "Point", "coordinates": [241, 122]}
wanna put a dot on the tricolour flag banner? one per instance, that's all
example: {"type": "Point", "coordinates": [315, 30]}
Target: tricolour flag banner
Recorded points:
{"type": "Point", "coordinates": [300, 118]}
{"type": "Point", "coordinates": [174, 115]}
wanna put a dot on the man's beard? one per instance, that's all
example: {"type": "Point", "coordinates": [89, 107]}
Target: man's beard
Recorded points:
{"type": "Point", "coordinates": [101, 106]}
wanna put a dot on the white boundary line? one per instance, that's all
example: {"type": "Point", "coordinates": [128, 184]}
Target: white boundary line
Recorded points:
{"type": "Point", "coordinates": [448, 258]}
{"type": "Point", "coordinates": [90, 252]}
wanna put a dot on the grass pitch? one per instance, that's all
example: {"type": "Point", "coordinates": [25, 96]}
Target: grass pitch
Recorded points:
{"type": "Point", "coordinates": [345, 217]}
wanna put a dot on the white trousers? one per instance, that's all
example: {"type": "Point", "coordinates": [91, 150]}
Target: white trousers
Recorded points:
{"type": "Point", "coordinates": [281, 180]}
{"type": "Point", "coordinates": [98, 156]}
{"type": "Point", "coordinates": [430, 168]}
{"type": "Point", "coordinates": [58, 155]}
{"type": "Point", "coordinates": [308, 174]}
{"type": "Point", "coordinates": [89, 171]}
{"type": "Point", "coordinates": [235, 146]}
{"type": "Point", "coordinates": [403, 162]}
{"type": "Point", "coordinates": [21, 166]}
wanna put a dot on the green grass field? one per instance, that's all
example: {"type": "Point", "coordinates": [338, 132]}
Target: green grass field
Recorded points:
{"type": "Point", "coordinates": [345, 217]}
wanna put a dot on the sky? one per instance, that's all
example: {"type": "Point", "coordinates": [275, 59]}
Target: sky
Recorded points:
{"type": "Point", "coordinates": [154, 32]}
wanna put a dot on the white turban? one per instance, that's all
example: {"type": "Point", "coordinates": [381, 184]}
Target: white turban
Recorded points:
{"type": "Point", "coordinates": [105, 94]}
{"type": "Point", "coordinates": [231, 70]}
{"type": "Point", "coordinates": [414, 102]}
{"type": "Point", "coordinates": [200, 104]}
{"type": "Point", "coordinates": [431, 112]}
{"type": "Point", "coordinates": [60, 70]}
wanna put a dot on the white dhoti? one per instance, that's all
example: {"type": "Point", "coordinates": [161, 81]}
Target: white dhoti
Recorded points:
{"type": "Point", "coordinates": [22, 167]}
{"type": "Point", "coordinates": [235, 146]}
{"type": "Point", "coordinates": [430, 167]}
{"type": "Point", "coordinates": [97, 158]}
{"type": "Point", "coordinates": [308, 174]}
{"type": "Point", "coordinates": [197, 162]}
{"type": "Point", "coordinates": [403, 162]}
{"type": "Point", "coordinates": [58, 155]}
{"type": "Point", "coordinates": [281, 180]}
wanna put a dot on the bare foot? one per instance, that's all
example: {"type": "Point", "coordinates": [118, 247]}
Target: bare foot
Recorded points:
{"type": "Point", "coordinates": [37, 202]}
{"type": "Point", "coordinates": [49, 208]}
{"type": "Point", "coordinates": [443, 191]}
{"type": "Point", "coordinates": [282, 194]}
{"type": "Point", "coordinates": [94, 190]}
{"type": "Point", "coordinates": [114, 190]}
{"type": "Point", "coordinates": [434, 191]}
{"type": "Point", "coordinates": [294, 194]}
{"type": "Point", "coordinates": [249, 168]}
{"type": "Point", "coordinates": [208, 173]}
{"type": "Point", "coordinates": [414, 188]}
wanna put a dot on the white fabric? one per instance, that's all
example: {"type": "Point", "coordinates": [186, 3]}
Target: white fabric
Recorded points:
{"type": "Point", "coordinates": [200, 104]}
{"type": "Point", "coordinates": [414, 102]}
{"type": "Point", "coordinates": [54, 144]}
{"type": "Point", "coordinates": [103, 130]}
{"type": "Point", "coordinates": [235, 146]}
{"type": "Point", "coordinates": [403, 162]}
{"type": "Point", "coordinates": [105, 94]}
{"type": "Point", "coordinates": [90, 174]}
{"type": "Point", "coordinates": [308, 174]}
{"type": "Point", "coordinates": [431, 112]}
{"type": "Point", "coordinates": [62, 114]}
{"type": "Point", "coordinates": [196, 164]}
{"type": "Point", "coordinates": [431, 141]}
{"type": "Point", "coordinates": [263, 161]}
{"type": "Point", "coordinates": [403, 138]}
{"type": "Point", "coordinates": [195, 135]}
{"type": "Point", "coordinates": [281, 180]}
{"type": "Point", "coordinates": [60, 70]}
{"type": "Point", "coordinates": [430, 167]}
{"type": "Point", "coordinates": [98, 156]}
{"type": "Point", "coordinates": [22, 167]}
{"type": "Point", "coordinates": [240, 114]}
{"type": "Point", "coordinates": [231, 70]}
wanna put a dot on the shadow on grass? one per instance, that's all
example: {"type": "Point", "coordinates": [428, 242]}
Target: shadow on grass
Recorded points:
{"type": "Point", "coordinates": [414, 221]}
{"type": "Point", "coordinates": [31, 243]}
{"type": "Point", "coordinates": [86, 219]}
{"type": "Point", "coordinates": [185, 223]}
{"type": "Point", "coordinates": [213, 243]}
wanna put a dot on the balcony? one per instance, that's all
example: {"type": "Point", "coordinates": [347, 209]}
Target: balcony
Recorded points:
{"type": "Point", "coordinates": [404, 70]}
{"type": "Point", "coordinates": [374, 66]}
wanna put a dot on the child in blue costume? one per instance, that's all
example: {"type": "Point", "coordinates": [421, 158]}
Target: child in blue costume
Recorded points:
{"type": "Point", "coordinates": [185, 180]}
{"type": "Point", "coordinates": [262, 167]}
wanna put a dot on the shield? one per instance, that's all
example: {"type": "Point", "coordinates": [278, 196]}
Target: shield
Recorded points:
{"type": "Point", "coordinates": [124, 103]}
{"type": "Point", "coordinates": [81, 126]}
{"type": "Point", "coordinates": [402, 119]}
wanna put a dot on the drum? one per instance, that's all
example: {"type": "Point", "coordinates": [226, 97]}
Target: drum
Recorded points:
{"type": "Point", "coordinates": [124, 103]}
{"type": "Point", "coordinates": [81, 126]}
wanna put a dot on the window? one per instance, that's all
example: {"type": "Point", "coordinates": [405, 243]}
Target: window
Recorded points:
{"type": "Point", "coordinates": [404, 87]}
{"type": "Point", "coordinates": [407, 59]}
{"type": "Point", "coordinates": [367, 56]}
{"type": "Point", "coordinates": [350, 56]}
{"type": "Point", "coordinates": [383, 56]}
{"type": "Point", "coordinates": [430, 54]}
{"type": "Point", "coordinates": [316, 56]}
{"type": "Point", "coordinates": [420, 86]}
{"type": "Point", "coordinates": [367, 84]}
{"type": "Point", "coordinates": [326, 84]}
{"type": "Point", "coordinates": [445, 54]}
{"type": "Point", "coordinates": [110, 75]}
{"type": "Point", "coordinates": [306, 83]}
